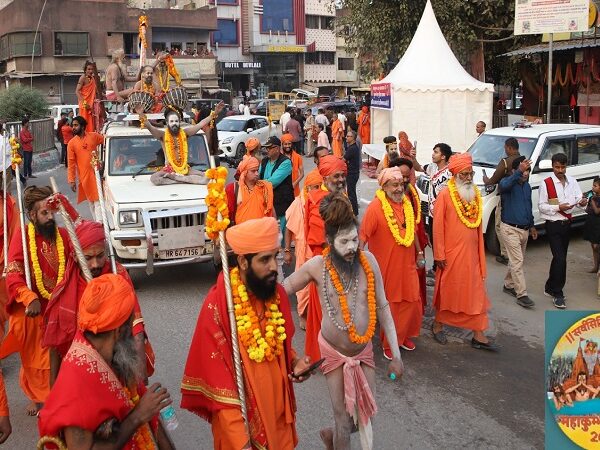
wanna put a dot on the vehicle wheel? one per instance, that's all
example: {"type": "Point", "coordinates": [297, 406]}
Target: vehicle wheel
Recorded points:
{"type": "Point", "coordinates": [492, 244]}
{"type": "Point", "coordinates": [240, 151]}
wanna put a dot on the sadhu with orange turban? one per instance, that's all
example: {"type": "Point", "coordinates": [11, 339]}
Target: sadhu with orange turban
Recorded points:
{"type": "Point", "coordinates": [460, 162]}
{"type": "Point", "coordinates": [252, 144]}
{"type": "Point", "coordinates": [209, 368]}
{"type": "Point", "coordinates": [92, 388]}
{"type": "Point", "coordinates": [249, 198]}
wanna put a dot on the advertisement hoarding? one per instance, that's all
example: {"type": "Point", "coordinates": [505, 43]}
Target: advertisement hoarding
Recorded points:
{"type": "Point", "coordinates": [551, 16]}
{"type": "Point", "coordinates": [381, 96]}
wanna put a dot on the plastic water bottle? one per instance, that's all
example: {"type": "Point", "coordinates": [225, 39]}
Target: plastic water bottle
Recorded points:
{"type": "Point", "coordinates": [169, 418]}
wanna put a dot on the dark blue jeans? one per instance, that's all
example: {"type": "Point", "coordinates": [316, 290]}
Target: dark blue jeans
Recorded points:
{"type": "Point", "coordinates": [27, 159]}
{"type": "Point", "coordinates": [351, 182]}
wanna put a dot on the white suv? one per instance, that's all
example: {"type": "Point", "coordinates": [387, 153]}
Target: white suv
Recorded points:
{"type": "Point", "coordinates": [581, 144]}
{"type": "Point", "coordinates": [152, 226]}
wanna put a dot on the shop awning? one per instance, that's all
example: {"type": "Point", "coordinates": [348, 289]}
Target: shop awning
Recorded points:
{"type": "Point", "coordinates": [557, 46]}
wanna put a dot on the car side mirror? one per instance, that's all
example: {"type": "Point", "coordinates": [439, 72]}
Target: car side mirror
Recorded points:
{"type": "Point", "coordinates": [249, 130]}
{"type": "Point", "coordinates": [545, 164]}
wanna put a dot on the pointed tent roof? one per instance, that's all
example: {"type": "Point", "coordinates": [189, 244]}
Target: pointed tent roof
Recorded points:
{"type": "Point", "coordinates": [429, 64]}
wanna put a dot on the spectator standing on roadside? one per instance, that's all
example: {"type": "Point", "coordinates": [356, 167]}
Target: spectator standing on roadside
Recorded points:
{"type": "Point", "coordinates": [311, 132]}
{"type": "Point", "coordinates": [353, 160]}
{"type": "Point", "coordinates": [66, 131]}
{"type": "Point", "coordinates": [516, 227]}
{"type": "Point", "coordinates": [511, 148]}
{"type": "Point", "coordinates": [283, 120]}
{"type": "Point", "coordinates": [294, 128]}
{"type": "Point", "coordinates": [480, 127]}
{"type": "Point", "coordinates": [59, 124]}
{"type": "Point", "coordinates": [26, 141]}
{"type": "Point", "coordinates": [559, 194]}
{"type": "Point", "coordinates": [322, 139]}
{"type": "Point", "coordinates": [591, 231]}
{"type": "Point", "coordinates": [322, 118]}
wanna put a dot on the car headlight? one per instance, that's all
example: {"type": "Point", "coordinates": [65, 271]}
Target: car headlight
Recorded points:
{"type": "Point", "coordinates": [227, 140]}
{"type": "Point", "coordinates": [487, 190]}
{"type": "Point", "coordinates": [128, 217]}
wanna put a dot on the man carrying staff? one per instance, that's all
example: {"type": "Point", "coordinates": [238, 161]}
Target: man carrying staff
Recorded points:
{"type": "Point", "coordinates": [460, 298]}
{"type": "Point", "coordinates": [249, 198]}
{"type": "Point", "coordinates": [175, 147]}
{"type": "Point", "coordinates": [389, 229]}
{"type": "Point", "coordinates": [49, 252]}
{"type": "Point", "coordinates": [99, 399]}
{"type": "Point", "coordinates": [265, 331]}
{"type": "Point", "coordinates": [79, 156]}
{"type": "Point", "coordinates": [87, 92]}
{"type": "Point", "coordinates": [334, 171]}
{"type": "Point", "coordinates": [344, 274]}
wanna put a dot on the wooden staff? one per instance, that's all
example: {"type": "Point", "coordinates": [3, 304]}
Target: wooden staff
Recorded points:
{"type": "Point", "coordinates": [15, 161]}
{"type": "Point", "coordinates": [73, 235]}
{"type": "Point", "coordinates": [4, 212]}
{"type": "Point", "coordinates": [111, 252]}
{"type": "Point", "coordinates": [237, 361]}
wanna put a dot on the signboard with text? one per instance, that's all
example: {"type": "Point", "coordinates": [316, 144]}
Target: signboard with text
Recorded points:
{"type": "Point", "coordinates": [381, 96]}
{"type": "Point", "coordinates": [551, 16]}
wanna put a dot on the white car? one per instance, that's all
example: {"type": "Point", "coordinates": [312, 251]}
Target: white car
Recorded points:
{"type": "Point", "coordinates": [56, 110]}
{"type": "Point", "coordinates": [152, 226]}
{"type": "Point", "coordinates": [581, 144]}
{"type": "Point", "coordinates": [234, 131]}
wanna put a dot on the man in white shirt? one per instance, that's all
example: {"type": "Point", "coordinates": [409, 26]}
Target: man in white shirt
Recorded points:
{"type": "Point", "coordinates": [241, 107]}
{"type": "Point", "coordinates": [322, 118]}
{"type": "Point", "coordinates": [342, 118]}
{"type": "Point", "coordinates": [559, 194]}
{"type": "Point", "coordinates": [285, 117]}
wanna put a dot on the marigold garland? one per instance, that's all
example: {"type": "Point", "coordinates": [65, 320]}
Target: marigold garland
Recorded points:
{"type": "Point", "coordinates": [14, 146]}
{"type": "Point", "coordinates": [390, 218]}
{"type": "Point", "coordinates": [143, 435]}
{"type": "Point", "coordinates": [216, 200]}
{"type": "Point", "coordinates": [415, 195]}
{"type": "Point", "coordinates": [371, 298]}
{"type": "Point", "coordinates": [469, 213]}
{"type": "Point", "coordinates": [259, 347]}
{"type": "Point", "coordinates": [172, 70]}
{"type": "Point", "coordinates": [177, 153]}
{"type": "Point", "coordinates": [142, 23]}
{"type": "Point", "coordinates": [60, 249]}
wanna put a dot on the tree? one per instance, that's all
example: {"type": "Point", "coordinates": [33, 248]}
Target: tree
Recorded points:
{"type": "Point", "coordinates": [18, 101]}
{"type": "Point", "coordinates": [381, 30]}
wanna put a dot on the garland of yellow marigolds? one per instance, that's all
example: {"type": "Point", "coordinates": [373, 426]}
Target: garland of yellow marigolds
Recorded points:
{"type": "Point", "coordinates": [409, 217]}
{"type": "Point", "coordinates": [37, 270]}
{"type": "Point", "coordinates": [469, 213]}
{"type": "Point", "coordinates": [216, 202]}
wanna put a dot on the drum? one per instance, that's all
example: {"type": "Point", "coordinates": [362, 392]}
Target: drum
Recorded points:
{"type": "Point", "coordinates": [139, 98]}
{"type": "Point", "coordinates": [177, 98]}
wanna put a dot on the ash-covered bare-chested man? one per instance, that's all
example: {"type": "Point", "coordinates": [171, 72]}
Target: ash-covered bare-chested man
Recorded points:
{"type": "Point", "coordinates": [352, 299]}
{"type": "Point", "coordinates": [116, 76]}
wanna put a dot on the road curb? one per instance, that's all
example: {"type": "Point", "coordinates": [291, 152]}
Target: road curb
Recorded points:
{"type": "Point", "coordinates": [47, 160]}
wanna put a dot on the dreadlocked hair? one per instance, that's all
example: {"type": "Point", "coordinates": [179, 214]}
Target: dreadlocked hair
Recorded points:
{"type": "Point", "coordinates": [336, 212]}
{"type": "Point", "coordinates": [34, 194]}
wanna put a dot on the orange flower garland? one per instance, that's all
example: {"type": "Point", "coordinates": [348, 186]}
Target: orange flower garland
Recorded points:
{"type": "Point", "coordinates": [172, 69]}
{"type": "Point", "coordinates": [177, 157]}
{"type": "Point", "coordinates": [216, 201]}
{"type": "Point", "coordinates": [415, 195]}
{"type": "Point", "coordinates": [143, 436]}
{"type": "Point", "coordinates": [14, 146]}
{"type": "Point", "coordinates": [259, 347]}
{"type": "Point", "coordinates": [469, 213]}
{"type": "Point", "coordinates": [371, 298]}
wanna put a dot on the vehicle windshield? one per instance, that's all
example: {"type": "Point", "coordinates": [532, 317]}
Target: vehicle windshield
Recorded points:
{"type": "Point", "coordinates": [129, 155]}
{"type": "Point", "coordinates": [488, 150]}
{"type": "Point", "coordinates": [231, 125]}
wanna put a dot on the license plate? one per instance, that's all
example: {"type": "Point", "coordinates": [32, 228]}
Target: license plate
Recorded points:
{"type": "Point", "coordinates": [180, 253]}
{"type": "Point", "coordinates": [181, 238]}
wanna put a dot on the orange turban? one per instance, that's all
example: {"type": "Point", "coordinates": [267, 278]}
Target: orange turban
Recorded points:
{"type": "Point", "coordinates": [392, 173]}
{"type": "Point", "coordinates": [254, 236]}
{"type": "Point", "coordinates": [89, 233]}
{"type": "Point", "coordinates": [252, 145]}
{"type": "Point", "coordinates": [330, 164]}
{"type": "Point", "coordinates": [248, 163]}
{"type": "Point", "coordinates": [287, 138]}
{"type": "Point", "coordinates": [106, 304]}
{"type": "Point", "coordinates": [314, 178]}
{"type": "Point", "coordinates": [460, 162]}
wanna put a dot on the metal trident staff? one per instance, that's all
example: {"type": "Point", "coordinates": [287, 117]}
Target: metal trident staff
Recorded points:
{"type": "Point", "coordinates": [4, 213]}
{"type": "Point", "coordinates": [16, 160]}
{"type": "Point", "coordinates": [111, 251]}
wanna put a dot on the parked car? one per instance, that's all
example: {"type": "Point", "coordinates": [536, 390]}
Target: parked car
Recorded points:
{"type": "Point", "coordinates": [56, 110]}
{"type": "Point", "coordinates": [235, 130]}
{"type": "Point", "coordinates": [581, 144]}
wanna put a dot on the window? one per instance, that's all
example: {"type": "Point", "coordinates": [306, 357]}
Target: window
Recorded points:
{"type": "Point", "coordinates": [345, 63]}
{"type": "Point", "coordinates": [159, 46]}
{"type": "Point", "coordinates": [4, 53]}
{"type": "Point", "coordinates": [327, 57]}
{"type": "Point", "coordinates": [588, 149]}
{"type": "Point", "coordinates": [21, 44]}
{"type": "Point", "coordinates": [227, 33]}
{"type": "Point", "coordinates": [555, 146]}
{"type": "Point", "coordinates": [326, 23]}
{"type": "Point", "coordinates": [319, 58]}
{"type": "Point", "coordinates": [313, 22]}
{"type": "Point", "coordinates": [262, 123]}
{"type": "Point", "coordinates": [71, 44]}
{"type": "Point", "coordinates": [278, 15]}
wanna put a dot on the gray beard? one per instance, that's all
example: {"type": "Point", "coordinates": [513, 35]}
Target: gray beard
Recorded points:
{"type": "Point", "coordinates": [340, 263]}
{"type": "Point", "coordinates": [126, 362]}
{"type": "Point", "coordinates": [466, 190]}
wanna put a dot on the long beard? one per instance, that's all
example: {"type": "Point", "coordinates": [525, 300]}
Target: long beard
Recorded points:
{"type": "Point", "coordinates": [340, 262]}
{"type": "Point", "coordinates": [262, 288]}
{"type": "Point", "coordinates": [47, 230]}
{"type": "Point", "coordinates": [126, 361]}
{"type": "Point", "coordinates": [466, 190]}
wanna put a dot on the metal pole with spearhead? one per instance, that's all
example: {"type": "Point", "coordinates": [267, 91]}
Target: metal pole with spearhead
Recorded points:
{"type": "Point", "coordinates": [111, 251]}
{"type": "Point", "coordinates": [4, 213]}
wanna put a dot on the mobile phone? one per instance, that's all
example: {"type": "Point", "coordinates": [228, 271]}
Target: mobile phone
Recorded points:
{"type": "Point", "coordinates": [310, 369]}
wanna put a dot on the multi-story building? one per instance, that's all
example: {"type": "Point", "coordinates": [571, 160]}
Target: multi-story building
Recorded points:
{"type": "Point", "coordinates": [72, 32]}
{"type": "Point", "coordinates": [319, 62]}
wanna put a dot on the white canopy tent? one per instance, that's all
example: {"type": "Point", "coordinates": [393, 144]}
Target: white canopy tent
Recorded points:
{"type": "Point", "coordinates": [434, 99]}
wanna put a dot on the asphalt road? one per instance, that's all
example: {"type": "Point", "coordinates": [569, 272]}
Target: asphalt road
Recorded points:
{"type": "Point", "coordinates": [450, 396]}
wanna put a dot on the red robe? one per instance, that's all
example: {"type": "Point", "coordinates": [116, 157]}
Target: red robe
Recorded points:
{"type": "Point", "coordinates": [315, 238]}
{"type": "Point", "coordinates": [12, 216]}
{"type": "Point", "coordinates": [423, 242]}
{"type": "Point", "coordinates": [25, 333]}
{"type": "Point", "coordinates": [209, 389]}
{"type": "Point", "coordinates": [87, 393]}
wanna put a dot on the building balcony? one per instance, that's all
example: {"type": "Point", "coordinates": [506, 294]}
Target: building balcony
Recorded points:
{"type": "Point", "coordinates": [320, 73]}
{"type": "Point", "coordinates": [324, 39]}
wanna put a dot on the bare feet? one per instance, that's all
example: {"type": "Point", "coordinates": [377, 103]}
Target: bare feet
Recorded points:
{"type": "Point", "coordinates": [327, 437]}
{"type": "Point", "coordinates": [33, 408]}
{"type": "Point", "coordinates": [302, 321]}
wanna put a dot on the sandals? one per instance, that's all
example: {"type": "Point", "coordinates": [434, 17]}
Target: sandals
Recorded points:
{"type": "Point", "coordinates": [440, 336]}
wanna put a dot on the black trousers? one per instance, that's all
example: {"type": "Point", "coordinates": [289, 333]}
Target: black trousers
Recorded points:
{"type": "Point", "coordinates": [63, 154]}
{"type": "Point", "coordinates": [351, 182]}
{"type": "Point", "coordinates": [558, 234]}
{"type": "Point", "coordinates": [27, 159]}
